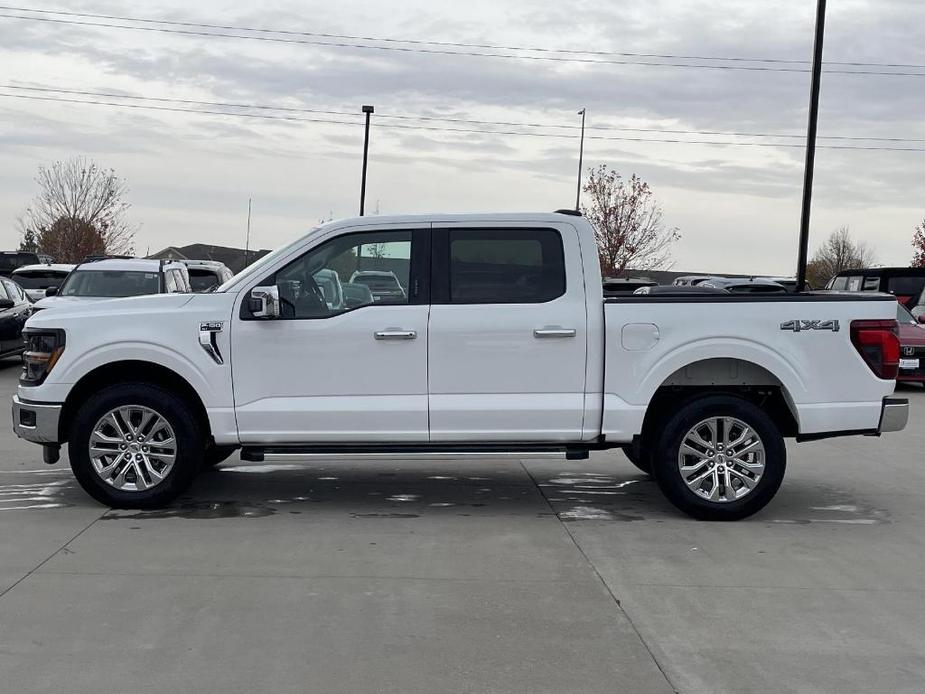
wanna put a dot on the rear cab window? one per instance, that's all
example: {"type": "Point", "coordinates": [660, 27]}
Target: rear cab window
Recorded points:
{"type": "Point", "coordinates": [505, 266]}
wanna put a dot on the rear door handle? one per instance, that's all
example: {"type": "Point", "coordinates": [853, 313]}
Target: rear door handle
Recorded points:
{"type": "Point", "coordinates": [554, 332]}
{"type": "Point", "coordinates": [395, 334]}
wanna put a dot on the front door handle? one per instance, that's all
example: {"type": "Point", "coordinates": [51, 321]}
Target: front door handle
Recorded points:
{"type": "Point", "coordinates": [555, 332]}
{"type": "Point", "coordinates": [395, 334]}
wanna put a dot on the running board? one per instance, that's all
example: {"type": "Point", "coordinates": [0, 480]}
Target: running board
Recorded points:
{"type": "Point", "coordinates": [256, 454]}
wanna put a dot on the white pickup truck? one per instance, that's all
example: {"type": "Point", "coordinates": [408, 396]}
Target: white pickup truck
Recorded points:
{"type": "Point", "coordinates": [499, 340]}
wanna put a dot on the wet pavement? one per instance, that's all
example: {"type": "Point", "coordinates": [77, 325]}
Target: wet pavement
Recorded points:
{"type": "Point", "coordinates": [489, 574]}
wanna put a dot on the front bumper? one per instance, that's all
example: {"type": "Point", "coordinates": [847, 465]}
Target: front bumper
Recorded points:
{"type": "Point", "coordinates": [36, 421]}
{"type": "Point", "coordinates": [894, 416]}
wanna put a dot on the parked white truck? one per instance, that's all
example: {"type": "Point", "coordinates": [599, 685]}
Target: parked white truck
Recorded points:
{"type": "Point", "coordinates": [500, 340]}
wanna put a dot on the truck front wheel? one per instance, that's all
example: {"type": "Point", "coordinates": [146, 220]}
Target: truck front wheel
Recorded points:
{"type": "Point", "coordinates": [135, 445]}
{"type": "Point", "coordinates": [719, 457]}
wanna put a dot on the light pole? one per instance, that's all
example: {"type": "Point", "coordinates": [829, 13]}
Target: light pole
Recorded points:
{"type": "Point", "coordinates": [368, 110]}
{"type": "Point", "coordinates": [247, 238]}
{"type": "Point", "coordinates": [811, 145]}
{"type": "Point", "coordinates": [581, 156]}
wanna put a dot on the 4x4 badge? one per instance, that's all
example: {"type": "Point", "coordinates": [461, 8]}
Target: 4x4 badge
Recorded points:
{"type": "Point", "coordinates": [801, 325]}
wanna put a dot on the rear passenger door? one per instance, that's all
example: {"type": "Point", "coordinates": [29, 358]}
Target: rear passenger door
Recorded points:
{"type": "Point", "coordinates": [507, 334]}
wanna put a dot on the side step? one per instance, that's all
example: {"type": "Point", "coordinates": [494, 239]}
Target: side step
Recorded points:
{"type": "Point", "coordinates": [257, 454]}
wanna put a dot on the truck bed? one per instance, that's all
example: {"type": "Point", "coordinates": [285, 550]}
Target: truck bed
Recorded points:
{"type": "Point", "coordinates": [799, 343]}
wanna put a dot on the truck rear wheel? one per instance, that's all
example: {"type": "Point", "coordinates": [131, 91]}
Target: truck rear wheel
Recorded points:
{"type": "Point", "coordinates": [135, 445]}
{"type": "Point", "coordinates": [720, 457]}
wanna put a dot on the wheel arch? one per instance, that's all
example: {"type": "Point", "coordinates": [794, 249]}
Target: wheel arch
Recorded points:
{"type": "Point", "coordinates": [131, 371]}
{"type": "Point", "coordinates": [723, 375]}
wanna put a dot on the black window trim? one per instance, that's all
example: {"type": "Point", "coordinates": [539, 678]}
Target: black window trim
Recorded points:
{"type": "Point", "coordinates": [419, 285]}
{"type": "Point", "coordinates": [440, 265]}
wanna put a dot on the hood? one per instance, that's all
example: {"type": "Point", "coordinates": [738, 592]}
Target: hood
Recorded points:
{"type": "Point", "coordinates": [70, 307]}
{"type": "Point", "coordinates": [56, 301]}
{"type": "Point", "coordinates": [913, 335]}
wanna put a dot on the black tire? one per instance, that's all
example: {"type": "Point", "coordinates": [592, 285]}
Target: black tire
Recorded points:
{"type": "Point", "coordinates": [215, 455]}
{"type": "Point", "coordinates": [666, 459]}
{"type": "Point", "coordinates": [189, 445]}
{"type": "Point", "coordinates": [639, 457]}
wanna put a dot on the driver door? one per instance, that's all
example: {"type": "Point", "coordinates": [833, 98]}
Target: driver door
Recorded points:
{"type": "Point", "coordinates": [337, 366]}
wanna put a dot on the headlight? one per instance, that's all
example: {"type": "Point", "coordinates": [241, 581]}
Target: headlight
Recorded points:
{"type": "Point", "coordinates": [43, 349]}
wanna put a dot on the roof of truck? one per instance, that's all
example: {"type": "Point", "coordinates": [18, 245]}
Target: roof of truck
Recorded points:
{"type": "Point", "coordinates": [440, 217]}
{"type": "Point", "coordinates": [127, 265]}
{"type": "Point", "coordinates": [57, 267]}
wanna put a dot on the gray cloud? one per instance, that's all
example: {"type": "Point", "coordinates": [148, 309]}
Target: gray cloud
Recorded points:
{"type": "Point", "coordinates": [860, 183]}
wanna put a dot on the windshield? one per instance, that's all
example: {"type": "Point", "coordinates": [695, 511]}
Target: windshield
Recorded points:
{"type": "Point", "coordinates": [39, 279]}
{"type": "Point", "coordinates": [258, 265]}
{"type": "Point", "coordinates": [202, 280]}
{"type": "Point", "coordinates": [903, 315]}
{"type": "Point", "coordinates": [110, 283]}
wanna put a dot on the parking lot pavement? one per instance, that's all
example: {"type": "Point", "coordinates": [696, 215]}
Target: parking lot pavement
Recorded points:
{"type": "Point", "coordinates": [480, 575]}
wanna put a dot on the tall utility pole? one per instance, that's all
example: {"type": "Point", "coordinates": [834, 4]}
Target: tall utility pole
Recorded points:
{"type": "Point", "coordinates": [581, 156]}
{"type": "Point", "coordinates": [368, 110]}
{"type": "Point", "coordinates": [811, 145]}
{"type": "Point", "coordinates": [247, 238]}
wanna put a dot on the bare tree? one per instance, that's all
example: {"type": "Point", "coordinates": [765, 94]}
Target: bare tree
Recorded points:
{"type": "Point", "coordinates": [80, 210]}
{"type": "Point", "coordinates": [918, 243]}
{"type": "Point", "coordinates": [839, 252]}
{"type": "Point", "coordinates": [627, 223]}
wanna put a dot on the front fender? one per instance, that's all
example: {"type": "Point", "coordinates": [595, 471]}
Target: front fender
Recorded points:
{"type": "Point", "coordinates": [181, 364]}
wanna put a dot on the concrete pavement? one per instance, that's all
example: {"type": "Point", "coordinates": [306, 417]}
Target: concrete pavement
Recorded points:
{"type": "Point", "coordinates": [480, 575]}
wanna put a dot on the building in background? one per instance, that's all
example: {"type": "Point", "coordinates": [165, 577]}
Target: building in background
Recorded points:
{"type": "Point", "coordinates": [233, 258]}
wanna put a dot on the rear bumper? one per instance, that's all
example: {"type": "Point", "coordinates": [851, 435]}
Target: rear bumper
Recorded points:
{"type": "Point", "coordinates": [36, 421]}
{"type": "Point", "coordinates": [894, 416]}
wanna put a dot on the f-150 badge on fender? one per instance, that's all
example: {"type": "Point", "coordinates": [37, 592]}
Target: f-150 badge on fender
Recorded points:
{"type": "Point", "coordinates": [798, 326]}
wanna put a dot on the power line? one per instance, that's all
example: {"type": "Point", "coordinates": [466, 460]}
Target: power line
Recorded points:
{"type": "Point", "coordinates": [451, 44]}
{"type": "Point", "coordinates": [264, 116]}
{"type": "Point", "coordinates": [437, 51]}
{"type": "Point", "coordinates": [405, 117]}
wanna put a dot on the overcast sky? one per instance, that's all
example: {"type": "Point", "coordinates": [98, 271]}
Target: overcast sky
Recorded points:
{"type": "Point", "coordinates": [737, 207]}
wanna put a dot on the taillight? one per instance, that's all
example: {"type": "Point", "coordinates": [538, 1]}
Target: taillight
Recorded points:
{"type": "Point", "coordinates": [877, 341]}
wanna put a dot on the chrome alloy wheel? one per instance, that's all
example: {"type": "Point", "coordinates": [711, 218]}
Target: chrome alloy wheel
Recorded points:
{"type": "Point", "coordinates": [721, 459]}
{"type": "Point", "coordinates": [132, 448]}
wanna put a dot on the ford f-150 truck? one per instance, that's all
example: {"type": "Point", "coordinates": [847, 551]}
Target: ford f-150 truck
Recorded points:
{"type": "Point", "coordinates": [500, 340]}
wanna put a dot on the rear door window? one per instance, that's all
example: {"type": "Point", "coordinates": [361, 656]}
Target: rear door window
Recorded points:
{"type": "Point", "coordinates": [505, 266]}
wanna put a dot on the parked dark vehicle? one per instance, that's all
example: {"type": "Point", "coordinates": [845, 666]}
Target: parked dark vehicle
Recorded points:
{"type": "Point", "coordinates": [679, 290]}
{"type": "Point", "coordinates": [383, 284]}
{"type": "Point", "coordinates": [788, 283]}
{"type": "Point", "coordinates": [745, 286]}
{"type": "Point", "coordinates": [691, 280]}
{"type": "Point", "coordinates": [905, 283]}
{"type": "Point", "coordinates": [15, 309]}
{"type": "Point", "coordinates": [614, 286]}
{"type": "Point", "coordinates": [912, 347]}
{"type": "Point", "coordinates": [10, 260]}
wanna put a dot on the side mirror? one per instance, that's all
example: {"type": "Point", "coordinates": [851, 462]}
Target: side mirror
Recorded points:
{"type": "Point", "coordinates": [5, 304]}
{"type": "Point", "coordinates": [51, 291]}
{"type": "Point", "coordinates": [921, 318]}
{"type": "Point", "coordinates": [264, 302]}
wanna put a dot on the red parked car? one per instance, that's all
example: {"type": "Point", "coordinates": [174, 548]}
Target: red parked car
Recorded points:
{"type": "Point", "coordinates": [912, 347]}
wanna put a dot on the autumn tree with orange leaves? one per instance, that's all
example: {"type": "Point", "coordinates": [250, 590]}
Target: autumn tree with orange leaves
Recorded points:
{"type": "Point", "coordinates": [627, 221]}
{"type": "Point", "coordinates": [79, 211]}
